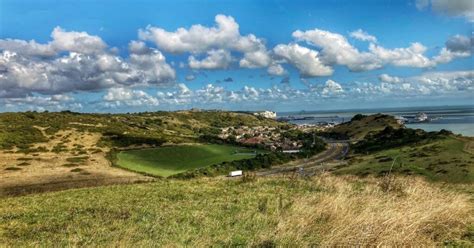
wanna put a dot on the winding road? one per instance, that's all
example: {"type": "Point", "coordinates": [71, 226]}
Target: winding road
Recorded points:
{"type": "Point", "coordinates": [336, 151]}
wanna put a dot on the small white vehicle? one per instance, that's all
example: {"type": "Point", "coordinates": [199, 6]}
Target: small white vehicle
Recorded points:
{"type": "Point", "coordinates": [235, 173]}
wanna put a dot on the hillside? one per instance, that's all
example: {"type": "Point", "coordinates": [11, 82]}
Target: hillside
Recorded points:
{"type": "Point", "coordinates": [265, 212]}
{"type": "Point", "coordinates": [446, 158]}
{"type": "Point", "coordinates": [360, 125]}
{"type": "Point", "coordinates": [60, 151]}
{"type": "Point", "coordinates": [53, 151]}
{"type": "Point", "coordinates": [21, 129]}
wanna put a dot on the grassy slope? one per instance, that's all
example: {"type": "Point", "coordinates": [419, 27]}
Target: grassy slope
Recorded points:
{"type": "Point", "coordinates": [325, 211]}
{"type": "Point", "coordinates": [184, 126]}
{"type": "Point", "coordinates": [357, 129]}
{"type": "Point", "coordinates": [170, 160]}
{"type": "Point", "coordinates": [445, 160]}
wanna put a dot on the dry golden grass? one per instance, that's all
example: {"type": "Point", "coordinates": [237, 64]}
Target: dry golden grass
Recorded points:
{"type": "Point", "coordinates": [354, 213]}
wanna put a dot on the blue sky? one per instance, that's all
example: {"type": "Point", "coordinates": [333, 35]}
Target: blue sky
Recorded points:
{"type": "Point", "coordinates": [348, 54]}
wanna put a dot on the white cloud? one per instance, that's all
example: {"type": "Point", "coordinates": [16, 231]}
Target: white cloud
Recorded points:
{"type": "Point", "coordinates": [196, 39]}
{"type": "Point", "coordinates": [457, 46]}
{"type": "Point", "coordinates": [363, 36]}
{"type": "Point", "coordinates": [438, 83]}
{"type": "Point", "coordinates": [150, 68]}
{"type": "Point", "coordinates": [116, 97]}
{"type": "Point", "coordinates": [446, 56]}
{"type": "Point", "coordinates": [30, 48]}
{"type": "Point", "coordinates": [80, 42]}
{"type": "Point", "coordinates": [332, 88]}
{"type": "Point", "coordinates": [256, 59]}
{"type": "Point", "coordinates": [307, 61]}
{"type": "Point", "coordinates": [455, 8]}
{"type": "Point", "coordinates": [62, 40]}
{"type": "Point", "coordinates": [40, 103]}
{"type": "Point", "coordinates": [412, 56]}
{"type": "Point", "coordinates": [216, 59]}
{"type": "Point", "coordinates": [138, 47]}
{"type": "Point", "coordinates": [426, 85]}
{"type": "Point", "coordinates": [250, 93]}
{"type": "Point", "coordinates": [389, 79]}
{"type": "Point", "coordinates": [199, 39]}
{"type": "Point", "coordinates": [276, 70]}
{"type": "Point", "coordinates": [337, 50]}
{"type": "Point", "coordinates": [76, 61]}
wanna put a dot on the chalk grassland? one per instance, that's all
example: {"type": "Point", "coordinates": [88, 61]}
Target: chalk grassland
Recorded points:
{"type": "Point", "coordinates": [322, 211]}
{"type": "Point", "coordinates": [358, 128]}
{"type": "Point", "coordinates": [54, 151]}
{"type": "Point", "coordinates": [450, 159]}
{"type": "Point", "coordinates": [68, 158]}
{"type": "Point", "coordinates": [17, 129]}
{"type": "Point", "coordinates": [170, 160]}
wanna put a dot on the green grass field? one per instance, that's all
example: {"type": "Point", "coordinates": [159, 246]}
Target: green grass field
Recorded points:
{"type": "Point", "coordinates": [170, 160]}
{"type": "Point", "coordinates": [443, 160]}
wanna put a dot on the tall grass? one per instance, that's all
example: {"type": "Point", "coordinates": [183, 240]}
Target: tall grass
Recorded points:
{"type": "Point", "coordinates": [321, 211]}
{"type": "Point", "coordinates": [412, 213]}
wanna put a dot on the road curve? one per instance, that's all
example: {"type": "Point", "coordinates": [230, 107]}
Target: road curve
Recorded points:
{"type": "Point", "coordinates": [335, 151]}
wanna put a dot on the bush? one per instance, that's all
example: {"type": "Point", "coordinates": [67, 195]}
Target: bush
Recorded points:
{"type": "Point", "coordinates": [123, 140]}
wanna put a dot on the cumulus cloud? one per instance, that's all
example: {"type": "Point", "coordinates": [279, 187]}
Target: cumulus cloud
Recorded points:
{"type": "Point", "coordinates": [457, 46]}
{"type": "Point", "coordinates": [276, 70]}
{"type": "Point", "coordinates": [304, 59]}
{"type": "Point", "coordinates": [426, 84]}
{"type": "Point", "coordinates": [332, 88]}
{"type": "Point", "coordinates": [441, 82]}
{"type": "Point", "coordinates": [389, 79]}
{"type": "Point", "coordinates": [412, 56]}
{"type": "Point", "coordinates": [455, 8]}
{"type": "Point", "coordinates": [460, 43]}
{"type": "Point", "coordinates": [363, 36]}
{"type": "Point", "coordinates": [257, 59]}
{"type": "Point", "coordinates": [62, 40]}
{"type": "Point", "coordinates": [79, 42]}
{"type": "Point", "coordinates": [30, 48]}
{"type": "Point", "coordinates": [216, 59]}
{"type": "Point", "coordinates": [200, 39]}
{"type": "Point", "coordinates": [76, 61]}
{"type": "Point", "coordinates": [56, 102]}
{"type": "Point", "coordinates": [116, 97]}
{"type": "Point", "coordinates": [446, 80]}
{"type": "Point", "coordinates": [335, 49]}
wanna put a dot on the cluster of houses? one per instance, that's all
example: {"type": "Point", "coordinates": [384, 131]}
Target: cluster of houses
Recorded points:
{"type": "Point", "coordinates": [320, 126]}
{"type": "Point", "coordinates": [269, 137]}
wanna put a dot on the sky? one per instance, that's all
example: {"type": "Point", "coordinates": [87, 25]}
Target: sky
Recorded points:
{"type": "Point", "coordinates": [131, 56]}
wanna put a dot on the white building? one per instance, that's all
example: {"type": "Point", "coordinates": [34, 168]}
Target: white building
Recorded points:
{"type": "Point", "coordinates": [266, 114]}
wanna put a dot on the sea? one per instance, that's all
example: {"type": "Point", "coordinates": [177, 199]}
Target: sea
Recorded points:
{"type": "Point", "coordinates": [457, 119]}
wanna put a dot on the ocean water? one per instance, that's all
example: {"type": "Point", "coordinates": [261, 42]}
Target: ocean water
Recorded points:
{"type": "Point", "coordinates": [457, 119]}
